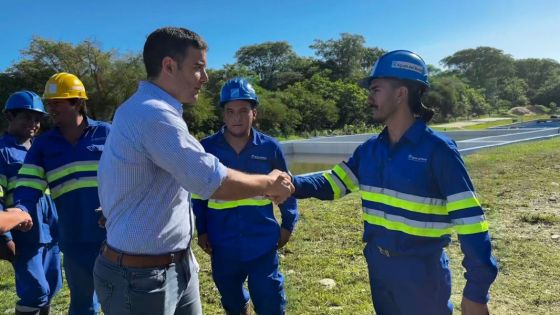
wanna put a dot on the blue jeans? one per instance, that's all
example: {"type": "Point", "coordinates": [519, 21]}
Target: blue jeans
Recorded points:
{"type": "Point", "coordinates": [78, 261]}
{"type": "Point", "coordinates": [409, 284]}
{"type": "Point", "coordinates": [38, 274]}
{"type": "Point", "coordinates": [265, 282]}
{"type": "Point", "coordinates": [155, 291]}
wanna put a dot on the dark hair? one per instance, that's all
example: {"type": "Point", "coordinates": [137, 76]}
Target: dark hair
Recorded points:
{"type": "Point", "coordinates": [169, 42]}
{"type": "Point", "coordinates": [13, 113]}
{"type": "Point", "coordinates": [415, 92]}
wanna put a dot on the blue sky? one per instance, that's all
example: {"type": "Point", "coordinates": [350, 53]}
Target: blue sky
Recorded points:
{"type": "Point", "coordinates": [433, 28]}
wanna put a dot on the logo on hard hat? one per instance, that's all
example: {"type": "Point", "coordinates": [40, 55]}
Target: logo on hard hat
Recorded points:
{"type": "Point", "coordinates": [407, 66]}
{"type": "Point", "coordinates": [52, 88]}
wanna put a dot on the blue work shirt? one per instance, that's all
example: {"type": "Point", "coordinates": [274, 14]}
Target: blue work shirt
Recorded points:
{"type": "Point", "coordinates": [70, 172]}
{"type": "Point", "coordinates": [43, 212]}
{"type": "Point", "coordinates": [245, 229]}
{"type": "Point", "coordinates": [414, 194]}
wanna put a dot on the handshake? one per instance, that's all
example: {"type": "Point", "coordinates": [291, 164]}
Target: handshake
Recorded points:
{"type": "Point", "coordinates": [280, 186]}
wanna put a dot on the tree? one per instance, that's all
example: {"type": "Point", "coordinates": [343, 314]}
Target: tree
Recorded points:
{"type": "Point", "coordinates": [535, 72]}
{"type": "Point", "coordinates": [448, 97]}
{"type": "Point", "coordinates": [514, 90]}
{"type": "Point", "coordinates": [265, 59]}
{"type": "Point", "coordinates": [549, 92]}
{"type": "Point", "coordinates": [109, 78]}
{"type": "Point", "coordinates": [312, 111]}
{"type": "Point", "coordinates": [274, 116]}
{"type": "Point", "coordinates": [347, 57]}
{"type": "Point", "coordinates": [483, 67]}
{"type": "Point", "coordinates": [476, 102]}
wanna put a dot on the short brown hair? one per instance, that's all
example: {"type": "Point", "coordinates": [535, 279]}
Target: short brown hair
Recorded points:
{"type": "Point", "coordinates": [172, 42]}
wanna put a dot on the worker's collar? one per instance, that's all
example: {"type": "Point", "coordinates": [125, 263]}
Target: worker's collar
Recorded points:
{"type": "Point", "coordinates": [413, 133]}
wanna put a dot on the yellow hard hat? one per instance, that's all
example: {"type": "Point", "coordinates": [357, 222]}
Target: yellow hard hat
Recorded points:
{"type": "Point", "coordinates": [64, 85]}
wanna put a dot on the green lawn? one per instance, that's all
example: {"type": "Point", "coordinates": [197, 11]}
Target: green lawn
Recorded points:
{"type": "Point", "coordinates": [519, 186]}
{"type": "Point", "coordinates": [489, 124]}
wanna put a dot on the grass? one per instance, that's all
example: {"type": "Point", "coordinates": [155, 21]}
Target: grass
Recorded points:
{"type": "Point", "coordinates": [489, 124]}
{"type": "Point", "coordinates": [519, 186]}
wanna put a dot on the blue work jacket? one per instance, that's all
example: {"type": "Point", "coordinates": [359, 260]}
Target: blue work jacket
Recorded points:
{"type": "Point", "coordinates": [244, 229]}
{"type": "Point", "coordinates": [414, 194]}
{"type": "Point", "coordinates": [70, 172]}
{"type": "Point", "coordinates": [43, 212]}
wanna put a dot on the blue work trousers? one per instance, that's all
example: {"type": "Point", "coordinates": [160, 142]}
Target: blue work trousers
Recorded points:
{"type": "Point", "coordinates": [171, 290]}
{"type": "Point", "coordinates": [403, 285]}
{"type": "Point", "coordinates": [78, 261]}
{"type": "Point", "coordinates": [38, 274]}
{"type": "Point", "coordinates": [265, 282]}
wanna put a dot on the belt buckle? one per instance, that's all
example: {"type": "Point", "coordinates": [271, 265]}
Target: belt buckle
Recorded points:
{"type": "Point", "coordinates": [173, 257]}
{"type": "Point", "coordinates": [383, 251]}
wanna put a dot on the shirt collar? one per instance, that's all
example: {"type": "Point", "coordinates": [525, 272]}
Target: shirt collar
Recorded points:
{"type": "Point", "coordinates": [10, 139]}
{"type": "Point", "coordinates": [147, 87]}
{"type": "Point", "coordinates": [90, 123]}
{"type": "Point", "coordinates": [13, 141]}
{"type": "Point", "coordinates": [413, 133]}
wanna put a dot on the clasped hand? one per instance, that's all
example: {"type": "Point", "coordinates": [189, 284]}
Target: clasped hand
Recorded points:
{"type": "Point", "coordinates": [281, 188]}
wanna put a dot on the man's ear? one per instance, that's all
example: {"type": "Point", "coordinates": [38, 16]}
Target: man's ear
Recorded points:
{"type": "Point", "coordinates": [402, 94]}
{"type": "Point", "coordinates": [168, 65]}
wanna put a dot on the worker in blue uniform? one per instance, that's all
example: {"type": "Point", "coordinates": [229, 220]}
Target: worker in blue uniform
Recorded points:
{"type": "Point", "coordinates": [65, 159]}
{"type": "Point", "coordinates": [36, 262]}
{"type": "Point", "coordinates": [415, 192]}
{"type": "Point", "coordinates": [243, 236]}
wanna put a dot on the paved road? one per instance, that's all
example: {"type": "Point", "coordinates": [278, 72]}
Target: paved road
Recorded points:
{"type": "Point", "coordinates": [468, 141]}
{"type": "Point", "coordinates": [522, 135]}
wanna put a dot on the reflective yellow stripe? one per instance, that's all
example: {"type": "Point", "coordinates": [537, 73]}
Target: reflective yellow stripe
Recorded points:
{"type": "Point", "coordinates": [404, 204]}
{"type": "Point", "coordinates": [399, 226]}
{"type": "Point", "coordinates": [12, 183]}
{"type": "Point", "coordinates": [32, 170]}
{"type": "Point", "coordinates": [334, 186]}
{"type": "Point", "coordinates": [73, 168]}
{"type": "Point", "coordinates": [1, 192]}
{"type": "Point", "coordinates": [346, 179]}
{"type": "Point", "coordinates": [221, 205]}
{"type": "Point", "coordinates": [72, 185]}
{"type": "Point", "coordinates": [195, 196]}
{"type": "Point", "coordinates": [463, 204]}
{"type": "Point", "coordinates": [472, 228]}
{"type": "Point", "coordinates": [3, 181]}
{"type": "Point", "coordinates": [35, 184]}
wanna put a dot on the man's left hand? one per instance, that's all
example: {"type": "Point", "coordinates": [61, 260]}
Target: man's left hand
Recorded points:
{"type": "Point", "coordinates": [284, 237]}
{"type": "Point", "coordinates": [469, 307]}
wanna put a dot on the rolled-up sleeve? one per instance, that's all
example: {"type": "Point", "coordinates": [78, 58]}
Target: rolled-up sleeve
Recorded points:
{"type": "Point", "coordinates": [170, 146]}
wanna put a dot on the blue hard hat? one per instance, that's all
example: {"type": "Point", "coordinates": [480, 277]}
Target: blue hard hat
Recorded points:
{"type": "Point", "coordinates": [238, 89]}
{"type": "Point", "coordinates": [25, 100]}
{"type": "Point", "coordinates": [399, 64]}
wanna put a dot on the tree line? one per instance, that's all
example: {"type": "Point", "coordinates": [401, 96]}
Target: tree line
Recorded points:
{"type": "Point", "coordinates": [299, 95]}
